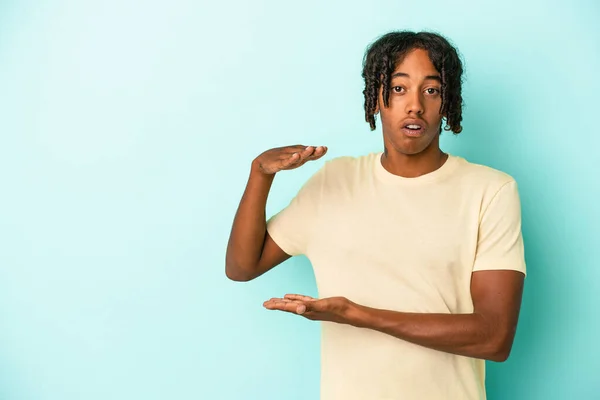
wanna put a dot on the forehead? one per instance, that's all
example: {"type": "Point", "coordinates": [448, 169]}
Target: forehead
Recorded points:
{"type": "Point", "coordinates": [416, 61]}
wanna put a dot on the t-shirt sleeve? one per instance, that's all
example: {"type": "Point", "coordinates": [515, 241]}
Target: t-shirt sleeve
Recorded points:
{"type": "Point", "coordinates": [292, 227]}
{"type": "Point", "coordinates": [500, 241]}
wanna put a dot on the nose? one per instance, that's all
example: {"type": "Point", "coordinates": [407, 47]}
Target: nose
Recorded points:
{"type": "Point", "coordinates": [414, 104]}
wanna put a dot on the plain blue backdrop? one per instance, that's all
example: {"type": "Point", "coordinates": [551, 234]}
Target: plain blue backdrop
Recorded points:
{"type": "Point", "coordinates": [126, 134]}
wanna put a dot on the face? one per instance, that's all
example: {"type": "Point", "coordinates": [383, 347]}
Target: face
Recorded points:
{"type": "Point", "coordinates": [411, 123]}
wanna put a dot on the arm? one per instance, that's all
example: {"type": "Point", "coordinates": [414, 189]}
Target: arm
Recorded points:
{"type": "Point", "coordinates": [487, 333]}
{"type": "Point", "coordinates": [251, 251]}
{"type": "Point", "coordinates": [496, 293]}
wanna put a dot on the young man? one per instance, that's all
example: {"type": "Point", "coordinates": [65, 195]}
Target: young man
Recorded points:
{"type": "Point", "coordinates": [418, 254]}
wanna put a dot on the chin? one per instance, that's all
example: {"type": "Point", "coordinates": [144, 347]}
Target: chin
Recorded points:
{"type": "Point", "coordinates": [410, 146]}
{"type": "Point", "coordinates": [412, 152]}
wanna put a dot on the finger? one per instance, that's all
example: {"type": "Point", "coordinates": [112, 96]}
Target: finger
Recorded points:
{"type": "Point", "coordinates": [291, 160]}
{"type": "Point", "coordinates": [274, 305]}
{"type": "Point", "coordinates": [288, 306]}
{"type": "Point", "coordinates": [323, 150]}
{"type": "Point", "coordinates": [296, 160]}
{"type": "Point", "coordinates": [295, 307]}
{"type": "Point", "coordinates": [289, 150]}
{"type": "Point", "coordinates": [300, 156]}
{"type": "Point", "coordinates": [276, 300]}
{"type": "Point", "coordinates": [318, 153]}
{"type": "Point", "coordinates": [298, 297]}
{"type": "Point", "coordinates": [306, 154]}
{"type": "Point", "coordinates": [296, 148]}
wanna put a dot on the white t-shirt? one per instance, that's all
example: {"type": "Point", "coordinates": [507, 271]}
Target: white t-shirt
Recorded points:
{"type": "Point", "coordinates": [402, 244]}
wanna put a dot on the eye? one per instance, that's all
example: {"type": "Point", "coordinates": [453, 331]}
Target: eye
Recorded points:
{"type": "Point", "coordinates": [432, 91]}
{"type": "Point", "coordinates": [397, 89]}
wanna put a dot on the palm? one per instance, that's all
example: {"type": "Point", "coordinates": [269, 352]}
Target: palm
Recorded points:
{"type": "Point", "coordinates": [286, 158]}
{"type": "Point", "coordinates": [328, 309]}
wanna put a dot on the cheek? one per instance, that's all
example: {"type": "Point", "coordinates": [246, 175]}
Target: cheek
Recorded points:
{"type": "Point", "coordinates": [433, 111]}
{"type": "Point", "coordinates": [395, 109]}
{"type": "Point", "coordinates": [435, 119]}
{"type": "Point", "coordinates": [389, 118]}
{"type": "Point", "coordinates": [434, 106]}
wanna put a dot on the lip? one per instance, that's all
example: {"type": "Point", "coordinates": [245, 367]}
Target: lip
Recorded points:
{"type": "Point", "coordinates": [412, 132]}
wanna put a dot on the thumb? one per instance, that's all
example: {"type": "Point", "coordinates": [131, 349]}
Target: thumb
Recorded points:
{"type": "Point", "coordinates": [316, 305]}
{"type": "Point", "coordinates": [302, 308]}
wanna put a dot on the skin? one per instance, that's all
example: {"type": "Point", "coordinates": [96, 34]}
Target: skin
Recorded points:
{"type": "Point", "coordinates": [415, 97]}
{"type": "Point", "coordinates": [250, 251]}
{"type": "Point", "coordinates": [487, 333]}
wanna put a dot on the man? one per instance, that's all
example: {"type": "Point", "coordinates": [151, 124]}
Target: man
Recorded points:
{"type": "Point", "coordinates": [418, 254]}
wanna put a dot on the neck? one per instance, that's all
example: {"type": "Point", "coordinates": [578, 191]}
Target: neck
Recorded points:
{"type": "Point", "coordinates": [413, 165]}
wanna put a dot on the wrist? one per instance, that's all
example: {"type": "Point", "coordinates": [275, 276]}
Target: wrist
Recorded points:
{"type": "Point", "coordinates": [257, 172]}
{"type": "Point", "coordinates": [357, 315]}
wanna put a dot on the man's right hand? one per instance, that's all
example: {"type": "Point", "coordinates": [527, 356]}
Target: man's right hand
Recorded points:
{"type": "Point", "coordinates": [251, 251]}
{"type": "Point", "coordinates": [289, 157]}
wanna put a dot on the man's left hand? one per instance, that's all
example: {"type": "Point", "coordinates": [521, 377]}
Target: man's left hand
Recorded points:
{"type": "Point", "coordinates": [333, 309]}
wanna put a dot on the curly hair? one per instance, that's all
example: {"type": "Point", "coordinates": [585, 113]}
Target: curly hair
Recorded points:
{"type": "Point", "coordinates": [382, 57]}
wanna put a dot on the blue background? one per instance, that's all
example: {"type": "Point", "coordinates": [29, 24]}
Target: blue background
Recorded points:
{"type": "Point", "coordinates": [126, 134]}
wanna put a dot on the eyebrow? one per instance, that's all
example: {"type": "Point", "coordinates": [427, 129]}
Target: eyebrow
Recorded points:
{"type": "Point", "coordinates": [428, 77]}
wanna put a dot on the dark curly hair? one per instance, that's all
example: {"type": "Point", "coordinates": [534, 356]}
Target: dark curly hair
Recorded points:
{"type": "Point", "coordinates": [382, 57]}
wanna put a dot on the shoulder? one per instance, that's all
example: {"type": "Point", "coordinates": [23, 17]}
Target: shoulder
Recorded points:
{"type": "Point", "coordinates": [480, 175]}
{"type": "Point", "coordinates": [489, 185]}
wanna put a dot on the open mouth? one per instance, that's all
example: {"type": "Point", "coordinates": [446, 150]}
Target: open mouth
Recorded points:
{"type": "Point", "coordinates": [413, 129]}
